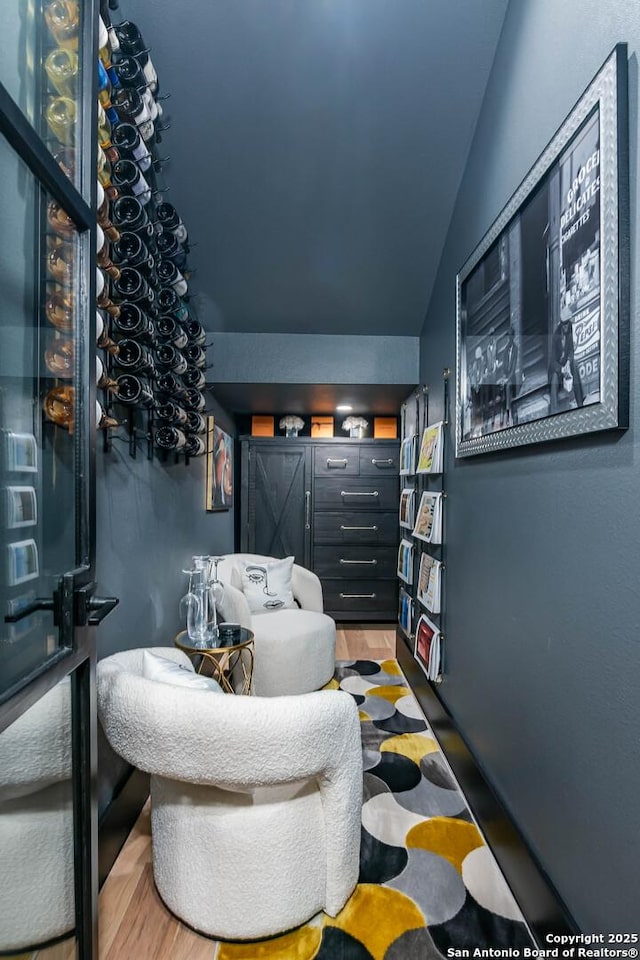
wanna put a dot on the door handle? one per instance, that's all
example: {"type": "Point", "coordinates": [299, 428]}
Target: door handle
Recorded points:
{"type": "Point", "coordinates": [307, 510]}
{"type": "Point", "coordinates": [101, 607]}
{"type": "Point", "coordinates": [43, 603]}
{"type": "Point", "coordinates": [342, 527]}
{"type": "Point", "coordinates": [90, 610]}
{"type": "Point", "coordinates": [368, 562]}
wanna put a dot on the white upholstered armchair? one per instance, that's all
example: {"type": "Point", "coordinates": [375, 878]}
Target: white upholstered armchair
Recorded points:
{"type": "Point", "coordinates": [294, 648]}
{"type": "Point", "coordinates": [255, 801]}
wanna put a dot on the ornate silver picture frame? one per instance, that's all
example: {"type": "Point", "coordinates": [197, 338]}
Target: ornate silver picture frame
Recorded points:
{"type": "Point", "coordinates": [542, 318]}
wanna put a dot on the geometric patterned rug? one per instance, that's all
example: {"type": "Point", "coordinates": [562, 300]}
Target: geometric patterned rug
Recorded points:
{"type": "Point", "coordinates": [428, 880]}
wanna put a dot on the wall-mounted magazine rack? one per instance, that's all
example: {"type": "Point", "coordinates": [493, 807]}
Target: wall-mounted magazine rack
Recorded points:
{"type": "Point", "coordinates": [422, 608]}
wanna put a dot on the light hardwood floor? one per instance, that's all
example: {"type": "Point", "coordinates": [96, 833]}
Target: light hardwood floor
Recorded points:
{"type": "Point", "coordinates": [134, 923]}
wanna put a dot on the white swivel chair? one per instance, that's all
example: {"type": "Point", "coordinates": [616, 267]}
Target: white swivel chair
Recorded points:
{"type": "Point", "coordinates": [256, 802]}
{"type": "Point", "coordinates": [294, 649]}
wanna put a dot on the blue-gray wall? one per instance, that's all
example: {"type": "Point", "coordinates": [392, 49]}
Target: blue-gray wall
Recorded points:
{"type": "Point", "coordinates": [150, 521]}
{"type": "Point", "coordinates": [543, 605]}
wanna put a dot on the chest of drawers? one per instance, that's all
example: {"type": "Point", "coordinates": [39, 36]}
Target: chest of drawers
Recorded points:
{"type": "Point", "coordinates": [333, 505]}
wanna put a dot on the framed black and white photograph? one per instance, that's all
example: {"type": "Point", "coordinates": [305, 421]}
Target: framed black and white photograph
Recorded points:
{"type": "Point", "coordinates": [21, 507]}
{"type": "Point", "coordinates": [407, 508]}
{"type": "Point", "coordinates": [543, 301]}
{"type": "Point", "coordinates": [22, 452]}
{"type": "Point", "coordinates": [22, 562]}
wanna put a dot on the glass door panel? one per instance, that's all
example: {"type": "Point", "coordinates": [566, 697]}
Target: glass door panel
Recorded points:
{"type": "Point", "coordinates": [37, 902]}
{"type": "Point", "coordinates": [42, 361]}
{"type": "Point", "coordinates": [41, 69]}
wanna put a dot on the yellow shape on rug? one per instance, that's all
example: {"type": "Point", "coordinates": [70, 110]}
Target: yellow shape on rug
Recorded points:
{"type": "Point", "coordinates": [300, 944]}
{"type": "Point", "coordinates": [415, 746]}
{"type": "Point", "coordinates": [388, 693]}
{"type": "Point", "coordinates": [391, 667]}
{"type": "Point", "coordinates": [331, 685]}
{"type": "Point", "coordinates": [448, 837]}
{"type": "Point", "coordinates": [377, 916]}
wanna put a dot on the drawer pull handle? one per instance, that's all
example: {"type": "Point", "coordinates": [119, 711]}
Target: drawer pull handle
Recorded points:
{"type": "Point", "coordinates": [389, 460]}
{"type": "Point", "coordinates": [331, 462]}
{"type": "Point", "coordinates": [358, 493]}
{"type": "Point", "coordinates": [368, 562]}
{"type": "Point", "coordinates": [307, 510]}
{"type": "Point", "coordinates": [357, 596]}
{"type": "Point", "coordinates": [342, 527]}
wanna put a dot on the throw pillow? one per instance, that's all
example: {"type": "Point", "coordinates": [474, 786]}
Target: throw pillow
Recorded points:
{"type": "Point", "coordinates": [267, 586]}
{"type": "Point", "coordinates": [159, 668]}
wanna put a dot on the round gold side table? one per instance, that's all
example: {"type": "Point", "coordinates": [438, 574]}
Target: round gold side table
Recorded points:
{"type": "Point", "coordinates": [228, 658]}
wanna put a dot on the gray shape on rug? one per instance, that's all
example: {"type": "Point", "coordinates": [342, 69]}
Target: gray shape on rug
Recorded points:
{"type": "Point", "coordinates": [373, 786]}
{"type": "Point", "coordinates": [431, 801]}
{"type": "Point", "coordinates": [377, 708]}
{"type": "Point", "coordinates": [433, 884]}
{"type": "Point", "coordinates": [414, 945]}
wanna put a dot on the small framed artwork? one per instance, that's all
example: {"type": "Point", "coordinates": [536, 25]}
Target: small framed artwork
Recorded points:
{"type": "Point", "coordinates": [22, 452]}
{"type": "Point", "coordinates": [407, 508]}
{"type": "Point", "coordinates": [22, 562]}
{"type": "Point", "coordinates": [427, 649]}
{"type": "Point", "coordinates": [405, 561]}
{"type": "Point", "coordinates": [219, 468]}
{"type": "Point", "coordinates": [405, 612]}
{"type": "Point", "coordinates": [543, 301]}
{"type": "Point", "coordinates": [22, 507]}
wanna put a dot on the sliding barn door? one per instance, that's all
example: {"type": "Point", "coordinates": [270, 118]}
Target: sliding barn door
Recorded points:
{"type": "Point", "coordinates": [276, 499]}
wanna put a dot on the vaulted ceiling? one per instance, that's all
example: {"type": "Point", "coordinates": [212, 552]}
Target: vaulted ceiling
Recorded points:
{"type": "Point", "coordinates": [316, 151]}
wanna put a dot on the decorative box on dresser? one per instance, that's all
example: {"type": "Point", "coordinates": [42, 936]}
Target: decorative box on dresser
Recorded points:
{"type": "Point", "coordinates": [335, 509]}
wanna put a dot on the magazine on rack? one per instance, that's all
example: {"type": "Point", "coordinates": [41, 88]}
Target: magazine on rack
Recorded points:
{"type": "Point", "coordinates": [431, 449]}
{"type": "Point", "coordinates": [428, 647]}
{"type": "Point", "coordinates": [407, 508]}
{"type": "Point", "coordinates": [429, 520]}
{"type": "Point", "coordinates": [407, 457]}
{"type": "Point", "coordinates": [429, 583]}
{"type": "Point", "coordinates": [405, 561]}
{"type": "Point", "coordinates": [405, 612]}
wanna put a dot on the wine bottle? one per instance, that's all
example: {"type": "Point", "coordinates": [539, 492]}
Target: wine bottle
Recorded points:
{"type": "Point", "coordinates": [133, 323]}
{"type": "Point", "coordinates": [170, 303]}
{"type": "Point", "coordinates": [168, 217]}
{"type": "Point", "coordinates": [171, 414]}
{"type": "Point", "coordinates": [131, 43]}
{"type": "Point", "coordinates": [59, 359]}
{"type": "Point", "coordinates": [65, 157]}
{"type": "Point", "coordinates": [195, 331]}
{"type": "Point", "coordinates": [132, 286]}
{"type": "Point", "coordinates": [128, 178]}
{"type": "Point", "coordinates": [63, 20]}
{"type": "Point", "coordinates": [169, 385]}
{"type": "Point", "coordinates": [194, 377]}
{"type": "Point", "coordinates": [104, 132]}
{"type": "Point", "coordinates": [195, 446]}
{"type": "Point", "coordinates": [133, 108]}
{"type": "Point", "coordinates": [103, 422]}
{"type": "Point", "coordinates": [131, 251]}
{"type": "Point", "coordinates": [170, 359]}
{"type": "Point", "coordinates": [103, 380]}
{"type": "Point", "coordinates": [102, 295]}
{"type": "Point", "coordinates": [128, 214]}
{"type": "Point", "coordinates": [60, 221]}
{"type": "Point", "coordinates": [59, 406]}
{"type": "Point", "coordinates": [103, 215]}
{"type": "Point", "coordinates": [134, 357]}
{"type": "Point", "coordinates": [169, 331]}
{"type": "Point", "coordinates": [103, 340]}
{"type": "Point", "coordinates": [102, 253]}
{"type": "Point", "coordinates": [130, 144]}
{"type": "Point", "coordinates": [131, 76]}
{"type": "Point", "coordinates": [196, 423]}
{"type": "Point", "coordinates": [170, 249]}
{"type": "Point", "coordinates": [132, 390]}
{"type": "Point", "coordinates": [170, 276]}
{"type": "Point", "coordinates": [195, 355]}
{"type": "Point", "coordinates": [170, 438]}
{"type": "Point", "coordinates": [194, 400]}
{"type": "Point", "coordinates": [62, 70]}
{"type": "Point", "coordinates": [61, 261]}
{"type": "Point", "coordinates": [104, 174]}
{"type": "Point", "coordinates": [61, 117]}
{"type": "Point", "coordinates": [59, 307]}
